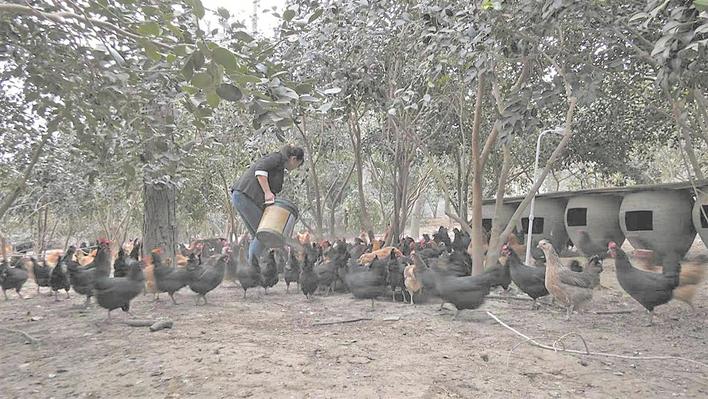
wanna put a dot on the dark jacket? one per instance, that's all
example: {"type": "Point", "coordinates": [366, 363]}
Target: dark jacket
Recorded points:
{"type": "Point", "coordinates": [247, 184]}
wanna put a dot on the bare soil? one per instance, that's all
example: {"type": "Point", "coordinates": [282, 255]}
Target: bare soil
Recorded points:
{"type": "Point", "coordinates": [268, 346]}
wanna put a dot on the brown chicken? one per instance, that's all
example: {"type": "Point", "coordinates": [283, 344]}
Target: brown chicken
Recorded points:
{"type": "Point", "coordinates": [410, 279]}
{"type": "Point", "coordinates": [568, 287]}
{"type": "Point", "coordinates": [380, 254]}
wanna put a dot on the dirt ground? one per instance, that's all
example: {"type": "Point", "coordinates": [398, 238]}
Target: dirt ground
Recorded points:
{"type": "Point", "coordinates": [268, 346]}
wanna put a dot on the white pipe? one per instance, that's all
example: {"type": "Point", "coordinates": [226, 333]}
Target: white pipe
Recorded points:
{"type": "Point", "coordinates": [533, 199]}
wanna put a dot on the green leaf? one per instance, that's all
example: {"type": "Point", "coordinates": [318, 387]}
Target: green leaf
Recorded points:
{"type": "Point", "coordinates": [226, 58]}
{"type": "Point", "coordinates": [229, 92]}
{"type": "Point", "coordinates": [183, 50]}
{"type": "Point", "coordinates": [318, 12]}
{"type": "Point", "coordinates": [153, 54]}
{"type": "Point", "coordinates": [151, 28]}
{"type": "Point", "coordinates": [223, 13]}
{"type": "Point", "coordinates": [198, 59]}
{"type": "Point", "coordinates": [171, 58]}
{"type": "Point", "coordinates": [243, 36]}
{"type": "Point", "coordinates": [243, 79]}
{"type": "Point", "coordinates": [213, 99]}
{"type": "Point", "coordinates": [202, 80]}
{"type": "Point", "coordinates": [288, 15]}
{"type": "Point", "coordinates": [198, 8]}
{"type": "Point", "coordinates": [188, 69]}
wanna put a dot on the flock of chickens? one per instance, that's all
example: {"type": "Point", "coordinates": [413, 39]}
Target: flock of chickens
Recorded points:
{"type": "Point", "coordinates": [415, 270]}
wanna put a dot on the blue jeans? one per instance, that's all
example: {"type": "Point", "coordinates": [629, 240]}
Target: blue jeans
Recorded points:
{"type": "Point", "coordinates": [251, 215]}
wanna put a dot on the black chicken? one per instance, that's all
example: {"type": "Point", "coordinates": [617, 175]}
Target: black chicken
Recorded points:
{"type": "Point", "coordinates": [327, 271]}
{"type": "Point", "coordinates": [169, 279]}
{"type": "Point", "coordinates": [249, 274]}
{"type": "Point", "coordinates": [499, 275]}
{"type": "Point", "coordinates": [461, 240]}
{"type": "Point", "coordinates": [117, 292]}
{"type": "Point", "coordinates": [41, 272]}
{"type": "Point", "coordinates": [101, 264]}
{"type": "Point", "coordinates": [291, 272]}
{"type": "Point", "coordinates": [59, 278]}
{"type": "Point", "coordinates": [442, 236]}
{"type": "Point", "coordinates": [120, 267]}
{"type": "Point", "coordinates": [232, 263]}
{"type": "Point", "coordinates": [395, 277]}
{"type": "Point", "coordinates": [135, 252]}
{"type": "Point", "coordinates": [12, 277]}
{"type": "Point", "coordinates": [529, 279]}
{"type": "Point", "coordinates": [647, 288]}
{"type": "Point", "coordinates": [367, 282]}
{"type": "Point", "coordinates": [270, 271]}
{"type": "Point", "coordinates": [205, 278]}
{"type": "Point", "coordinates": [308, 279]}
{"type": "Point", "coordinates": [82, 280]}
{"type": "Point", "coordinates": [465, 292]}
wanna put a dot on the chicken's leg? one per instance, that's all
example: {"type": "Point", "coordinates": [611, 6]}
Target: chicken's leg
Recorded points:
{"type": "Point", "coordinates": [534, 304]}
{"type": "Point", "coordinates": [18, 294]}
{"type": "Point", "coordinates": [67, 294]}
{"type": "Point", "coordinates": [205, 301]}
{"type": "Point", "coordinates": [651, 318]}
{"type": "Point", "coordinates": [4, 293]}
{"type": "Point", "coordinates": [393, 295]}
{"type": "Point", "coordinates": [244, 294]}
{"type": "Point", "coordinates": [56, 298]}
{"type": "Point", "coordinates": [172, 296]}
{"type": "Point", "coordinates": [372, 303]}
{"type": "Point", "coordinates": [441, 306]}
{"type": "Point", "coordinates": [88, 302]}
{"type": "Point", "coordinates": [454, 317]}
{"type": "Point", "coordinates": [569, 311]}
{"type": "Point", "coordinates": [287, 288]}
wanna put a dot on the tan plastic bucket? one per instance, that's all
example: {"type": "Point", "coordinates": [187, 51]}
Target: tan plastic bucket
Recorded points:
{"type": "Point", "coordinates": [277, 223]}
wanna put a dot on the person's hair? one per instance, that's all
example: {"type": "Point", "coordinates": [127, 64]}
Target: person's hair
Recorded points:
{"type": "Point", "coordinates": [290, 150]}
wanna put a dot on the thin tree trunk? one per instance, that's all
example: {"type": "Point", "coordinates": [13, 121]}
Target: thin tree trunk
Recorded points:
{"type": "Point", "coordinates": [477, 241]}
{"type": "Point", "coordinates": [355, 133]}
{"type": "Point", "coordinates": [417, 215]}
{"type": "Point", "coordinates": [313, 175]}
{"type": "Point", "coordinates": [687, 140]}
{"type": "Point", "coordinates": [492, 253]}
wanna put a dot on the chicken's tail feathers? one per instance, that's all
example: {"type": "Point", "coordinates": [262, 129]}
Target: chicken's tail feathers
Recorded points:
{"type": "Point", "coordinates": [691, 276]}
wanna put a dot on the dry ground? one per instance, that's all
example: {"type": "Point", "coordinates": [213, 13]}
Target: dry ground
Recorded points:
{"type": "Point", "coordinates": [267, 346]}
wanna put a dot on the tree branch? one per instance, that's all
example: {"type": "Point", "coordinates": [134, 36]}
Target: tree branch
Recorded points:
{"type": "Point", "coordinates": [22, 182]}
{"type": "Point", "coordinates": [62, 17]}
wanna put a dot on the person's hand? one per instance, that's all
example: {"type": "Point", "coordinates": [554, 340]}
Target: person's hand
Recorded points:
{"type": "Point", "coordinates": [269, 197]}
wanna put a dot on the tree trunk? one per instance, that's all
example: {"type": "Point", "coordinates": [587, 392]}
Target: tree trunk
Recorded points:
{"type": "Point", "coordinates": [477, 241]}
{"type": "Point", "coordinates": [687, 140]}
{"type": "Point", "coordinates": [492, 251]}
{"type": "Point", "coordinates": [355, 133]}
{"type": "Point", "coordinates": [314, 177]}
{"type": "Point", "coordinates": [160, 219]}
{"type": "Point", "coordinates": [416, 216]}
